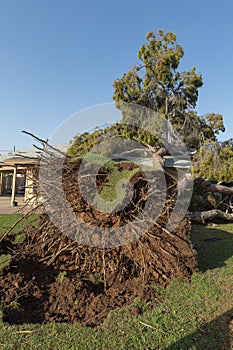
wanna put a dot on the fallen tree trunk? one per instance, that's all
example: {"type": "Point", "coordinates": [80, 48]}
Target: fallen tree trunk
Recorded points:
{"type": "Point", "coordinates": [207, 186]}
{"type": "Point", "coordinates": [202, 184]}
{"type": "Point", "coordinates": [201, 217]}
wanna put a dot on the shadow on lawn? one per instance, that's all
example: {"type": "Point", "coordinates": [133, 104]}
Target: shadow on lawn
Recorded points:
{"type": "Point", "coordinates": [214, 246]}
{"type": "Point", "coordinates": [214, 335]}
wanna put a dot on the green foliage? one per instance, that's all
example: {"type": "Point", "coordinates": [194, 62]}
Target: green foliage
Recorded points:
{"type": "Point", "coordinates": [5, 260]}
{"type": "Point", "coordinates": [169, 95]}
{"type": "Point", "coordinates": [157, 83]}
{"type": "Point", "coordinates": [8, 220]}
{"type": "Point", "coordinates": [215, 122]}
{"type": "Point", "coordinates": [214, 161]}
{"type": "Point", "coordinates": [20, 238]}
{"type": "Point", "coordinates": [199, 201]}
{"type": "Point", "coordinates": [106, 141]}
{"type": "Point", "coordinates": [202, 201]}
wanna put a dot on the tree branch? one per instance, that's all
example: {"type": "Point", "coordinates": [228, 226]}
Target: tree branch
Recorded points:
{"type": "Point", "coordinates": [204, 216]}
{"type": "Point", "coordinates": [207, 186]}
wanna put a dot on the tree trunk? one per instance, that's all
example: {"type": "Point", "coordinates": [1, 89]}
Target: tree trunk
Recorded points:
{"type": "Point", "coordinates": [204, 185]}
{"type": "Point", "coordinates": [204, 216]}
{"type": "Point", "coordinates": [207, 186]}
{"type": "Point", "coordinates": [158, 162]}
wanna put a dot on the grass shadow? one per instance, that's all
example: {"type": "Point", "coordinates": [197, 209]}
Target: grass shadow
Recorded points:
{"type": "Point", "coordinates": [214, 245]}
{"type": "Point", "coordinates": [217, 334]}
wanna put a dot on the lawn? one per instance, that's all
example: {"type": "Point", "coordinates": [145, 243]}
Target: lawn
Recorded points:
{"type": "Point", "coordinates": [8, 220]}
{"type": "Point", "coordinates": [196, 315]}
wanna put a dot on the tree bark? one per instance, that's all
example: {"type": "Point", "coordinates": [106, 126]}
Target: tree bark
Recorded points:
{"type": "Point", "coordinates": [204, 185]}
{"type": "Point", "coordinates": [158, 161]}
{"type": "Point", "coordinates": [207, 186]}
{"type": "Point", "coordinates": [204, 216]}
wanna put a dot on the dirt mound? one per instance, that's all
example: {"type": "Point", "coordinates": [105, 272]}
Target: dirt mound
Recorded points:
{"type": "Point", "coordinates": [52, 277]}
{"type": "Point", "coordinates": [126, 166]}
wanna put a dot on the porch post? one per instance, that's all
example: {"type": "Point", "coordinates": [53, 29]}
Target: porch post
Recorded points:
{"type": "Point", "coordinates": [14, 185]}
{"type": "Point", "coordinates": [1, 176]}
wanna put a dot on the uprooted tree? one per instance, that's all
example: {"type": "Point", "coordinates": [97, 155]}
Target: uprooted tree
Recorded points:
{"type": "Point", "coordinates": [98, 258]}
{"type": "Point", "coordinates": [82, 262]}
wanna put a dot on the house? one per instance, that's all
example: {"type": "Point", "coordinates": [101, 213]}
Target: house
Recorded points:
{"type": "Point", "coordinates": [19, 174]}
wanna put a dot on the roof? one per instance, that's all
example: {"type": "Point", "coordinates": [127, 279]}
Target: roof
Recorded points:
{"type": "Point", "coordinates": [32, 155]}
{"type": "Point", "coordinates": [177, 162]}
{"type": "Point", "coordinates": [144, 156]}
{"type": "Point", "coordinates": [169, 162]}
{"type": "Point", "coordinates": [25, 157]}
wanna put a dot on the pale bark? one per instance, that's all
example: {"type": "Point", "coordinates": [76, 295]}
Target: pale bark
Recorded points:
{"type": "Point", "coordinates": [207, 186]}
{"type": "Point", "coordinates": [158, 162]}
{"type": "Point", "coordinates": [204, 185]}
{"type": "Point", "coordinates": [201, 217]}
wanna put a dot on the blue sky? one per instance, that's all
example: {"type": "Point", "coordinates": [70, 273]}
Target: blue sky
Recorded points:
{"type": "Point", "coordinates": [60, 56]}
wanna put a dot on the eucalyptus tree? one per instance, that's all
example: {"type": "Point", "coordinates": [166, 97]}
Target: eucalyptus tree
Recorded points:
{"type": "Point", "coordinates": [156, 82]}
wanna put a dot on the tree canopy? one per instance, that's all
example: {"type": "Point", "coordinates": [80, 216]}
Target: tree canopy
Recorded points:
{"type": "Point", "coordinates": [215, 161]}
{"type": "Point", "coordinates": [156, 82]}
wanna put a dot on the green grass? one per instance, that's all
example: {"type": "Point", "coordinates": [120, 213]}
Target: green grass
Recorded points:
{"type": "Point", "coordinates": [185, 316]}
{"type": "Point", "coordinates": [8, 220]}
{"type": "Point", "coordinates": [112, 193]}
{"type": "Point", "coordinates": [214, 244]}
{"type": "Point", "coordinates": [5, 260]}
